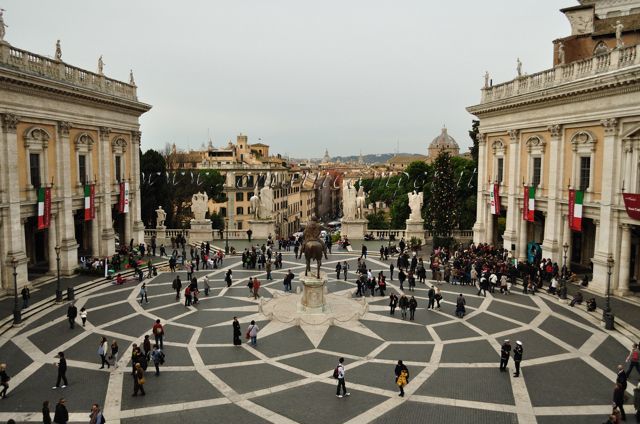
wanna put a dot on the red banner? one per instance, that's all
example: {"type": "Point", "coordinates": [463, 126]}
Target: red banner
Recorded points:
{"type": "Point", "coordinates": [632, 205]}
{"type": "Point", "coordinates": [525, 204]}
{"type": "Point", "coordinates": [44, 208]}
{"type": "Point", "coordinates": [572, 207]}
{"type": "Point", "coordinates": [121, 199]}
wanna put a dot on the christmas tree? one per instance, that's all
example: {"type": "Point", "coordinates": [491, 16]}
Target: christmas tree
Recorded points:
{"type": "Point", "coordinates": [442, 210]}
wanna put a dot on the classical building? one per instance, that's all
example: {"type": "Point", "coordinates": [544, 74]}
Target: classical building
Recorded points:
{"type": "Point", "coordinates": [442, 143]}
{"type": "Point", "coordinates": [64, 129]}
{"type": "Point", "coordinates": [575, 126]}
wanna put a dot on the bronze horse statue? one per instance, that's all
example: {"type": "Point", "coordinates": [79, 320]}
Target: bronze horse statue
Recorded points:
{"type": "Point", "coordinates": [314, 249]}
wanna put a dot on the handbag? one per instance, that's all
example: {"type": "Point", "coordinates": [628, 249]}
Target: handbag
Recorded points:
{"type": "Point", "coordinates": [141, 381]}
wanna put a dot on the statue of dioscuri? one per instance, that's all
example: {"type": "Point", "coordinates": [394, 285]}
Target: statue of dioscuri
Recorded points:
{"type": "Point", "coordinates": [361, 203]}
{"type": "Point", "coordinates": [161, 216]}
{"type": "Point", "coordinates": [348, 200]}
{"type": "Point", "coordinates": [2, 25]}
{"type": "Point", "coordinates": [254, 203]}
{"type": "Point", "coordinates": [415, 203]}
{"type": "Point", "coordinates": [266, 199]}
{"type": "Point", "coordinates": [199, 205]}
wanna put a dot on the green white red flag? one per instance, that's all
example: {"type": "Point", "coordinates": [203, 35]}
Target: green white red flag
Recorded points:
{"type": "Point", "coordinates": [44, 208]}
{"type": "Point", "coordinates": [495, 199]}
{"type": "Point", "coordinates": [529, 204]}
{"type": "Point", "coordinates": [89, 202]}
{"type": "Point", "coordinates": [576, 199]}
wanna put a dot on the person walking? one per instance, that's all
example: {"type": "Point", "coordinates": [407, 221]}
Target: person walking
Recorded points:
{"type": "Point", "coordinates": [96, 416]}
{"type": "Point", "coordinates": [114, 353]}
{"type": "Point", "coordinates": [256, 287]}
{"type": "Point", "coordinates": [83, 316]}
{"type": "Point", "coordinates": [618, 400]}
{"type": "Point", "coordinates": [340, 374]}
{"type": "Point", "coordinates": [62, 372]}
{"type": "Point", "coordinates": [404, 304]}
{"type": "Point", "coordinates": [158, 333]}
{"type": "Point", "coordinates": [46, 413]}
{"type": "Point", "coordinates": [4, 380]}
{"type": "Point", "coordinates": [236, 332]}
{"type": "Point", "coordinates": [401, 277]}
{"type": "Point", "coordinates": [143, 293]}
{"type": "Point", "coordinates": [61, 416]}
{"type": "Point", "coordinates": [461, 306]}
{"type": "Point", "coordinates": [157, 356]}
{"type": "Point", "coordinates": [138, 380]}
{"type": "Point", "coordinates": [268, 269]}
{"type": "Point", "coordinates": [393, 302]}
{"type": "Point", "coordinates": [103, 348]}
{"type": "Point", "coordinates": [437, 296]}
{"type": "Point", "coordinates": [505, 353]}
{"type": "Point", "coordinates": [26, 295]}
{"type": "Point", "coordinates": [252, 332]}
{"type": "Point", "coordinates": [633, 358]}
{"type": "Point", "coordinates": [621, 377]}
{"type": "Point", "coordinates": [345, 267]}
{"type": "Point", "coordinates": [177, 286]}
{"type": "Point", "coordinates": [413, 305]}
{"type": "Point", "coordinates": [402, 377]}
{"type": "Point", "coordinates": [207, 287]}
{"type": "Point", "coordinates": [227, 278]}
{"type": "Point", "coordinates": [72, 313]}
{"type": "Point", "coordinates": [517, 357]}
{"type": "Point", "coordinates": [338, 269]}
{"type": "Point", "coordinates": [391, 268]}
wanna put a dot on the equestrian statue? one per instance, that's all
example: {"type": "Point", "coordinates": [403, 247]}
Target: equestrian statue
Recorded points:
{"type": "Point", "coordinates": [312, 246]}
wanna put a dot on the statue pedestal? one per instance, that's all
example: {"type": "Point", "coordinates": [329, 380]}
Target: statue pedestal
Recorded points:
{"type": "Point", "coordinates": [312, 300]}
{"type": "Point", "coordinates": [262, 228]}
{"type": "Point", "coordinates": [414, 229]}
{"type": "Point", "coordinates": [354, 229]}
{"type": "Point", "coordinates": [200, 231]}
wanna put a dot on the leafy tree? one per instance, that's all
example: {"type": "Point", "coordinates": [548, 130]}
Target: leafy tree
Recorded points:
{"type": "Point", "coordinates": [377, 221]}
{"type": "Point", "coordinates": [442, 209]}
{"type": "Point", "coordinates": [217, 221]}
{"type": "Point", "coordinates": [184, 184]}
{"type": "Point", "coordinates": [466, 179]}
{"type": "Point", "coordinates": [154, 190]}
{"type": "Point", "coordinates": [473, 134]}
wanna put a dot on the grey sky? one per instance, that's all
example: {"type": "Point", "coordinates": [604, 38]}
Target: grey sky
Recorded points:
{"type": "Point", "coordinates": [347, 75]}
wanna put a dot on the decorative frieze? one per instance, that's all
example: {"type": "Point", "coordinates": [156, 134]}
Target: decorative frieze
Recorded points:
{"type": "Point", "coordinates": [555, 130]}
{"type": "Point", "coordinates": [63, 128]}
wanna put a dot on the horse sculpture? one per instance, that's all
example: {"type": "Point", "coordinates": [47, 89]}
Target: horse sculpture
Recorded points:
{"type": "Point", "coordinates": [314, 249]}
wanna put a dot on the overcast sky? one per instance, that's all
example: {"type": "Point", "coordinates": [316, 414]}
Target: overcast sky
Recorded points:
{"type": "Point", "coordinates": [351, 76]}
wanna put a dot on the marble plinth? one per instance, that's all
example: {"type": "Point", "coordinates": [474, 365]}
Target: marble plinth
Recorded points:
{"type": "Point", "coordinates": [415, 229]}
{"type": "Point", "coordinates": [200, 231]}
{"type": "Point", "coordinates": [354, 229]}
{"type": "Point", "coordinates": [312, 299]}
{"type": "Point", "coordinates": [262, 228]}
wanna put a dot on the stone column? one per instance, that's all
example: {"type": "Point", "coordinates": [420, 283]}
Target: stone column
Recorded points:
{"type": "Point", "coordinates": [128, 217]}
{"type": "Point", "coordinates": [566, 238]}
{"type": "Point", "coordinates": [511, 227]}
{"type": "Point", "coordinates": [522, 240]}
{"type": "Point", "coordinates": [550, 244]}
{"type": "Point", "coordinates": [624, 262]}
{"type": "Point", "coordinates": [605, 237]}
{"type": "Point", "coordinates": [13, 229]}
{"type": "Point", "coordinates": [490, 229]}
{"type": "Point", "coordinates": [107, 235]}
{"type": "Point", "coordinates": [68, 243]}
{"type": "Point", "coordinates": [95, 234]}
{"type": "Point", "coordinates": [138, 225]}
{"type": "Point", "coordinates": [479, 226]}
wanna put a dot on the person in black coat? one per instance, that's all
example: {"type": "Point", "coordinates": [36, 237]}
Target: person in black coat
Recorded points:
{"type": "Point", "coordinates": [61, 415]}
{"type": "Point", "coordinates": [72, 313]}
{"type": "Point", "coordinates": [46, 414]}
{"type": "Point", "coordinates": [399, 368]}
{"type": "Point", "coordinates": [237, 332]}
{"type": "Point", "coordinates": [622, 377]}
{"type": "Point", "coordinates": [62, 371]}
{"type": "Point", "coordinates": [618, 400]}
{"type": "Point", "coordinates": [517, 357]}
{"type": "Point", "coordinates": [505, 353]}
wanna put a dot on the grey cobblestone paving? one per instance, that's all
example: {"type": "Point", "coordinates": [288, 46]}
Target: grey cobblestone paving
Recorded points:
{"type": "Point", "coordinates": [515, 312]}
{"type": "Point", "coordinates": [470, 352]}
{"type": "Point", "coordinates": [475, 384]}
{"type": "Point", "coordinates": [249, 378]}
{"type": "Point", "coordinates": [565, 331]}
{"type": "Point", "coordinates": [416, 412]}
{"type": "Point", "coordinates": [407, 352]}
{"type": "Point", "coordinates": [456, 330]}
{"type": "Point", "coordinates": [398, 332]}
{"type": "Point", "coordinates": [229, 413]}
{"type": "Point", "coordinates": [491, 324]}
{"type": "Point", "coordinates": [537, 346]}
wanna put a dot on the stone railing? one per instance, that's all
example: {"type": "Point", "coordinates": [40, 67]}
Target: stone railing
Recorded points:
{"type": "Point", "coordinates": [615, 59]}
{"type": "Point", "coordinates": [460, 235]}
{"type": "Point", "coordinates": [31, 63]}
{"type": "Point", "coordinates": [166, 234]}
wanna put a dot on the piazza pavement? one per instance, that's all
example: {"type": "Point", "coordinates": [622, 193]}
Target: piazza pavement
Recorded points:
{"type": "Point", "coordinates": [568, 370]}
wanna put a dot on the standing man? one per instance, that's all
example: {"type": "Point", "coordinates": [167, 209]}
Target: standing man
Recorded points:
{"type": "Point", "coordinates": [391, 267]}
{"type": "Point", "coordinates": [432, 298]}
{"type": "Point", "coordinates": [61, 414]}
{"type": "Point", "coordinates": [249, 233]}
{"type": "Point", "coordinates": [72, 313]}
{"type": "Point", "coordinates": [413, 305]}
{"type": "Point", "coordinates": [62, 371]}
{"type": "Point", "coordinates": [157, 356]}
{"type": "Point", "coordinates": [505, 352]}
{"type": "Point", "coordinates": [158, 332]}
{"type": "Point", "coordinates": [620, 378]}
{"type": "Point", "coordinates": [338, 269]}
{"type": "Point", "coordinates": [517, 357]}
{"type": "Point", "coordinates": [177, 286]}
{"type": "Point", "coordinates": [26, 295]}
{"type": "Point", "coordinates": [364, 251]}
{"type": "Point", "coordinates": [340, 376]}
{"type": "Point", "coordinates": [256, 287]}
{"type": "Point", "coordinates": [345, 267]}
{"type": "Point", "coordinates": [96, 415]}
{"type": "Point", "coordinates": [393, 302]}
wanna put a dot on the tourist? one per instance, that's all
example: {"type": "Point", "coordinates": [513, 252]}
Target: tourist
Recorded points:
{"type": "Point", "coordinates": [393, 302]}
{"type": "Point", "coordinates": [138, 380]}
{"type": "Point", "coordinates": [250, 285]}
{"type": "Point", "coordinates": [146, 346]}
{"type": "Point", "coordinates": [345, 267]}
{"type": "Point", "coordinates": [268, 269]}
{"type": "Point", "coordinates": [207, 287]}
{"type": "Point", "coordinates": [382, 286]}
{"type": "Point", "coordinates": [621, 377]}
{"type": "Point", "coordinates": [401, 277]}
{"type": "Point", "coordinates": [404, 304]}
{"type": "Point", "coordinates": [114, 353]}
{"type": "Point", "coordinates": [577, 299]}
{"type": "Point", "coordinates": [288, 279]}
{"type": "Point", "coordinates": [4, 380]}
{"type": "Point", "coordinates": [432, 297]}
{"type": "Point", "coordinates": [236, 332]}
{"type": "Point", "coordinates": [61, 416]}
{"type": "Point", "coordinates": [633, 358]}
{"type": "Point", "coordinates": [636, 402]}
{"type": "Point", "coordinates": [256, 287]}
{"type": "Point", "coordinates": [187, 296]}
{"type": "Point", "coordinates": [340, 376]}
{"type": "Point", "coordinates": [517, 357]}
{"type": "Point", "coordinates": [460, 306]}
{"type": "Point", "coordinates": [26, 295]}
{"type": "Point", "coordinates": [227, 278]}
{"type": "Point", "coordinates": [252, 332]}
{"type": "Point", "coordinates": [391, 268]}
{"type": "Point", "coordinates": [62, 371]}
{"type": "Point", "coordinates": [72, 313]}
{"type": "Point", "coordinates": [364, 251]}
{"type": "Point", "coordinates": [46, 413]}
{"type": "Point", "coordinates": [102, 352]}
{"type": "Point", "coordinates": [158, 333]}
{"type": "Point", "coordinates": [177, 286]}
{"type": "Point", "coordinates": [618, 400]}
{"type": "Point", "coordinates": [437, 296]}
{"type": "Point", "coordinates": [412, 281]}
{"type": "Point", "coordinates": [96, 415]}
{"type": "Point", "coordinates": [83, 316]}
{"type": "Point", "coordinates": [413, 305]}
{"type": "Point", "coordinates": [157, 356]}
{"type": "Point", "coordinates": [402, 376]}
{"type": "Point", "coordinates": [505, 353]}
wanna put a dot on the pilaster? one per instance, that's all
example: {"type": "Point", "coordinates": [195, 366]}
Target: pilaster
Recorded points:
{"type": "Point", "coordinates": [479, 226]}
{"type": "Point", "coordinates": [68, 244]}
{"type": "Point", "coordinates": [138, 225]}
{"type": "Point", "coordinates": [624, 262]}
{"type": "Point", "coordinates": [550, 244]}
{"type": "Point", "coordinates": [106, 236]}
{"type": "Point", "coordinates": [510, 232]}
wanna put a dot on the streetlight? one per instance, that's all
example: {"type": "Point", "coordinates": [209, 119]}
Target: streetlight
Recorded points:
{"type": "Point", "coordinates": [563, 275]}
{"type": "Point", "coordinates": [58, 291]}
{"type": "Point", "coordinates": [226, 241]}
{"type": "Point", "coordinates": [607, 316]}
{"type": "Point", "coordinates": [17, 316]}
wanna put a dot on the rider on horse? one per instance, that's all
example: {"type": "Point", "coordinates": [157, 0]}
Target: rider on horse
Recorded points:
{"type": "Point", "coordinates": [312, 232]}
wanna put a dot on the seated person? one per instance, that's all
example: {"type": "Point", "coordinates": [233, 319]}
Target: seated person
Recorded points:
{"type": "Point", "coordinates": [591, 305]}
{"type": "Point", "coordinates": [577, 299]}
{"type": "Point", "coordinates": [119, 279]}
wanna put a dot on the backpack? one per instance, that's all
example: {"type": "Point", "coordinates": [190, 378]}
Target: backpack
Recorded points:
{"type": "Point", "coordinates": [101, 420]}
{"type": "Point", "coordinates": [335, 373]}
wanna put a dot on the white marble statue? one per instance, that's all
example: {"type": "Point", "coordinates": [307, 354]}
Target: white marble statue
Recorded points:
{"type": "Point", "coordinates": [161, 216]}
{"type": "Point", "coordinates": [348, 200]}
{"type": "Point", "coordinates": [415, 203]}
{"type": "Point", "coordinates": [561, 54]}
{"type": "Point", "coordinates": [519, 67]}
{"type": "Point", "coordinates": [100, 66]}
{"type": "Point", "coordinates": [131, 80]}
{"type": "Point", "coordinates": [2, 26]}
{"type": "Point", "coordinates": [254, 203]}
{"type": "Point", "coordinates": [199, 205]}
{"type": "Point", "coordinates": [619, 27]}
{"type": "Point", "coordinates": [266, 202]}
{"type": "Point", "coordinates": [486, 79]}
{"type": "Point", "coordinates": [58, 51]}
{"type": "Point", "coordinates": [361, 203]}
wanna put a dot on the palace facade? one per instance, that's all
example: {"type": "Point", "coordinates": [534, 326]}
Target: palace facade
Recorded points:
{"type": "Point", "coordinates": [575, 126]}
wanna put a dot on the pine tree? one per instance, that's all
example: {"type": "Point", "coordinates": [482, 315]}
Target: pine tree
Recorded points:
{"type": "Point", "coordinates": [442, 209]}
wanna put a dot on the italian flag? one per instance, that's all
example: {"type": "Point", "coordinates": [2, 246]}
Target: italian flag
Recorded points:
{"type": "Point", "coordinates": [576, 199]}
{"type": "Point", "coordinates": [89, 202]}
{"type": "Point", "coordinates": [529, 203]}
{"type": "Point", "coordinates": [495, 199]}
{"type": "Point", "coordinates": [44, 207]}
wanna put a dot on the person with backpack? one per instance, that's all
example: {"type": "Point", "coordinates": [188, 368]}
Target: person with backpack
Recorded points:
{"type": "Point", "coordinates": [157, 356]}
{"type": "Point", "coordinates": [339, 373]}
{"type": "Point", "coordinates": [402, 377]}
{"type": "Point", "coordinates": [158, 333]}
{"type": "Point", "coordinates": [252, 333]}
{"type": "Point", "coordinates": [633, 358]}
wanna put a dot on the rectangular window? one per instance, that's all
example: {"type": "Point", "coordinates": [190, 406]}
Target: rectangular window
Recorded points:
{"type": "Point", "coordinates": [223, 211]}
{"type": "Point", "coordinates": [118, 170]}
{"type": "Point", "coordinates": [239, 197]}
{"type": "Point", "coordinates": [240, 210]}
{"type": "Point", "coordinates": [250, 181]}
{"type": "Point", "coordinates": [82, 169]}
{"type": "Point", "coordinates": [34, 167]}
{"type": "Point", "coordinates": [240, 225]}
{"type": "Point", "coordinates": [585, 172]}
{"type": "Point", "coordinates": [500, 169]}
{"type": "Point", "coordinates": [537, 171]}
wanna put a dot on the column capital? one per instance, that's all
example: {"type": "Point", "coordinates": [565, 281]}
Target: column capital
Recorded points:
{"type": "Point", "coordinates": [63, 128]}
{"type": "Point", "coordinates": [136, 137]}
{"type": "Point", "coordinates": [481, 138]}
{"type": "Point", "coordinates": [513, 134]}
{"type": "Point", "coordinates": [555, 130]}
{"type": "Point", "coordinates": [104, 132]}
{"type": "Point", "coordinates": [625, 227]}
{"type": "Point", "coordinates": [10, 122]}
{"type": "Point", "coordinates": [610, 125]}
{"type": "Point", "coordinates": [596, 222]}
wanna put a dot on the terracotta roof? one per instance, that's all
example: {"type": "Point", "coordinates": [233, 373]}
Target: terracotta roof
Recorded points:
{"type": "Point", "coordinates": [407, 158]}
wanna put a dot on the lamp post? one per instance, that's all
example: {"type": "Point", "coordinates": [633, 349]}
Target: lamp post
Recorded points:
{"type": "Point", "coordinates": [607, 315]}
{"type": "Point", "coordinates": [17, 316]}
{"type": "Point", "coordinates": [226, 240]}
{"type": "Point", "coordinates": [58, 291]}
{"type": "Point", "coordinates": [563, 275]}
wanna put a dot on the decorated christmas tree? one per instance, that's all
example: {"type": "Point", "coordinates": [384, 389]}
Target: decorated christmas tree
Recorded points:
{"type": "Point", "coordinates": [442, 209]}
